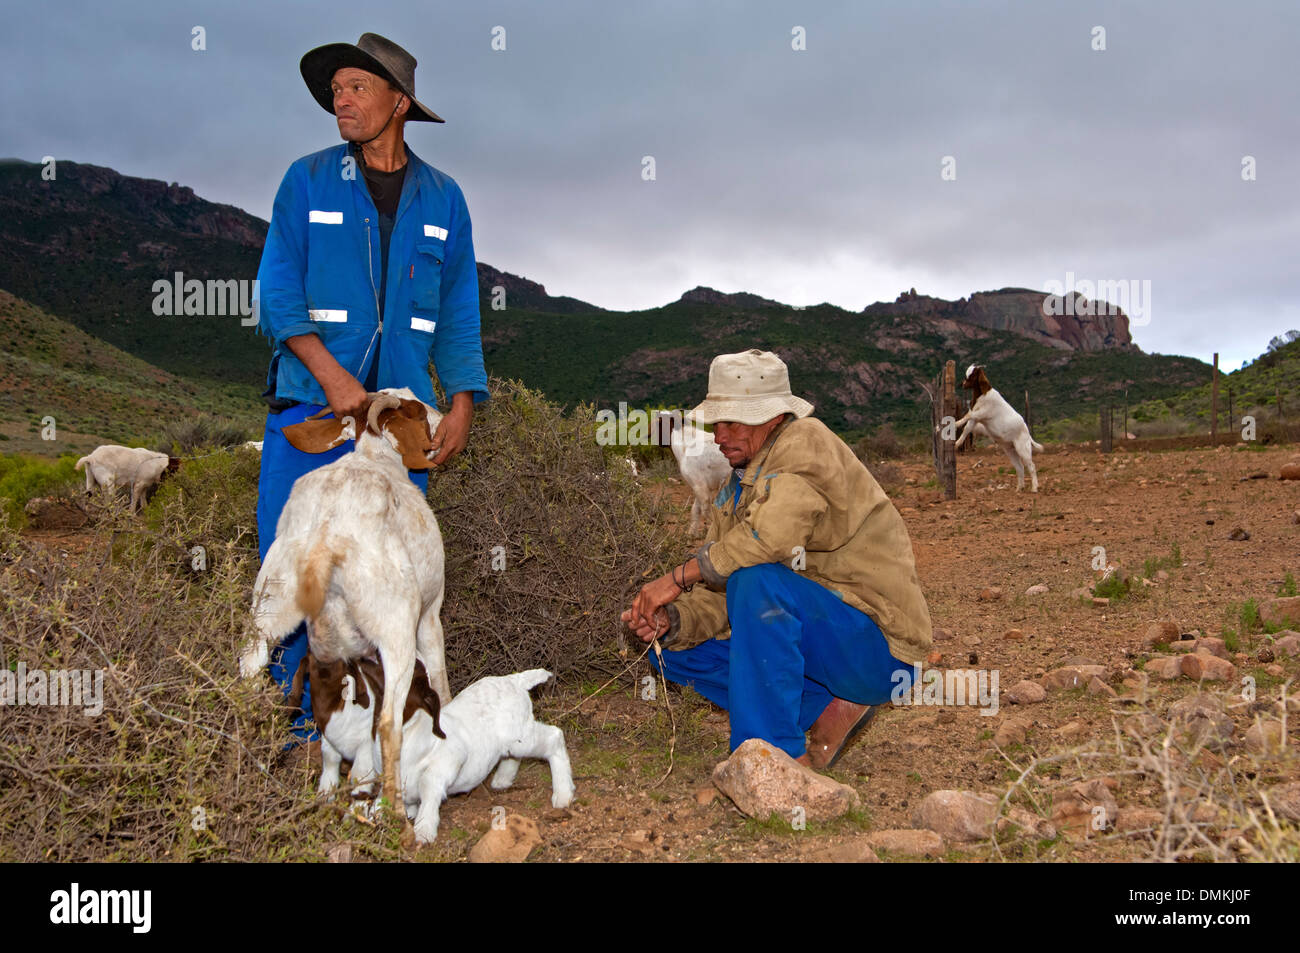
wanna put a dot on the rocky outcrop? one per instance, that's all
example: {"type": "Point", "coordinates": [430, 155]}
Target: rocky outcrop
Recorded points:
{"type": "Point", "coordinates": [1024, 312]}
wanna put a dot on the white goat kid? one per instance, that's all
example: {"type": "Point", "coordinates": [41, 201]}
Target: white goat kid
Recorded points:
{"type": "Point", "coordinates": [488, 725]}
{"type": "Point", "coordinates": [359, 556]}
{"type": "Point", "coordinates": [703, 466]}
{"type": "Point", "coordinates": [998, 420]}
{"type": "Point", "coordinates": [111, 466]}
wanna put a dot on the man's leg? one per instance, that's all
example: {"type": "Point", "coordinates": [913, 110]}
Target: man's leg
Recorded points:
{"type": "Point", "coordinates": [703, 667]}
{"type": "Point", "coordinates": [795, 646]}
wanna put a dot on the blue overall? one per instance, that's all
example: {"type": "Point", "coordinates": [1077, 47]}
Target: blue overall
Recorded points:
{"type": "Point", "coordinates": [282, 464]}
{"type": "Point", "coordinates": [794, 646]}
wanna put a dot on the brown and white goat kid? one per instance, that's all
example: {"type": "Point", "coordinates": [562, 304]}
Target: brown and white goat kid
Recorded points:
{"type": "Point", "coordinates": [358, 555]}
{"type": "Point", "coordinates": [346, 697]}
{"type": "Point", "coordinates": [992, 416]}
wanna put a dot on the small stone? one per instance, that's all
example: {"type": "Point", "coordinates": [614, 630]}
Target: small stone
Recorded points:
{"type": "Point", "coordinates": [1205, 644]}
{"type": "Point", "coordinates": [1072, 731]}
{"type": "Point", "coordinates": [1100, 602]}
{"type": "Point", "coordinates": [1141, 725]}
{"type": "Point", "coordinates": [641, 841]}
{"type": "Point", "coordinates": [907, 841]}
{"type": "Point", "coordinates": [934, 658]}
{"type": "Point", "coordinates": [970, 641]}
{"type": "Point", "coordinates": [1204, 667]}
{"type": "Point", "coordinates": [1287, 643]}
{"type": "Point", "coordinates": [855, 851]}
{"type": "Point", "coordinates": [1164, 666]}
{"type": "Point", "coordinates": [1284, 799]}
{"type": "Point", "coordinates": [706, 796]}
{"type": "Point", "coordinates": [510, 844]}
{"type": "Point", "coordinates": [1011, 732]}
{"type": "Point", "coordinates": [1201, 719]}
{"type": "Point", "coordinates": [1013, 635]}
{"type": "Point", "coordinates": [1290, 471]}
{"type": "Point", "coordinates": [762, 780]}
{"type": "Point", "coordinates": [1277, 671]}
{"type": "Point", "coordinates": [1280, 611]}
{"type": "Point", "coordinates": [965, 817]}
{"type": "Point", "coordinates": [1070, 676]}
{"type": "Point", "coordinates": [945, 717]}
{"type": "Point", "coordinates": [1131, 820]}
{"type": "Point", "coordinates": [941, 635]}
{"type": "Point", "coordinates": [1036, 590]}
{"type": "Point", "coordinates": [989, 594]}
{"type": "Point", "coordinates": [1238, 534]}
{"type": "Point", "coordinates": [1080, 592]}
{"type": "Point", "coordinates": [1098, 687]}
{"type": "Point", "coordinates": [1160, 632]}
{"type": "Point", "coordinates": [1266, 737]}
{"type": "Point", "coordinates": [1161, 575]}
{"type": "Point", "coordinates": [1084, 809]}
{"type": "Point", "coordinates": [1025, 693]}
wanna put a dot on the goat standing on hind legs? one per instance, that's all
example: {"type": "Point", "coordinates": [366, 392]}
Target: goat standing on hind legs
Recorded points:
{"type": "Point", "coordinates": [991, 416]}
{"type": "Point", "coordinates": [358, 555]}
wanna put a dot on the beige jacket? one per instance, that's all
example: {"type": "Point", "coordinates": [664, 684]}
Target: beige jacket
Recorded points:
{"type": "Point", "coordinates": [805, 488]}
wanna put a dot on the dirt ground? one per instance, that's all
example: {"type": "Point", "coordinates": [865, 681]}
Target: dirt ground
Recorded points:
{"type": "Point", "coordinates": [1175, 506]}
{"type": "Point", "coordinates": [1138, 506]}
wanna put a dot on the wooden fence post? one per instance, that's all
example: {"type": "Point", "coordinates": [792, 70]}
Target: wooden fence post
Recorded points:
{"type": "Point", "coordinates": [1105, 422]}
{"type": "Point", "coordinates": [1214, 403]}
{"type": "Point", "coordinates": [947, 448]}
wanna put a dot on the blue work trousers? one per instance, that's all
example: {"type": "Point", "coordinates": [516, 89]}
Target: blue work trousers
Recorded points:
{"type": "Point", "coordinates": [794, 646]}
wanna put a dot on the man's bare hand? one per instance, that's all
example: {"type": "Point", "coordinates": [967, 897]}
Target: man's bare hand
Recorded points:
{"type": "Point", "coordinates": [647, 632]}
{"type": "Point", "coordinates": [347, 398]}
{"type": "Point", "coordinates": [452, 434]}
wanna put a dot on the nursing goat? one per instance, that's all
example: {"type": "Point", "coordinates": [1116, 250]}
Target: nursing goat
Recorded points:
{"type": "Point", "coordinates": [358, 555]}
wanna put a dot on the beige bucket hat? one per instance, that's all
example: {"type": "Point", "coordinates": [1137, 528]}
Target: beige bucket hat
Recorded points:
{"type": "Point", "coordinates": [751, 387]}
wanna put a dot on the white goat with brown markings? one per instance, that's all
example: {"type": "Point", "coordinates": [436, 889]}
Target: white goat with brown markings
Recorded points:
{"type": "Point", "coordinates": [991, 415]}
{"type": "Point", "coordinates": [358, 555]}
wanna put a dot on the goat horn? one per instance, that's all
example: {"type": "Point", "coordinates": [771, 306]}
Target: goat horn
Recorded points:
{"type": "Point", "coordinates": [381, 403]}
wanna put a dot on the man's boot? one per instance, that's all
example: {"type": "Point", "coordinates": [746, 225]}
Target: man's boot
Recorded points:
{"type": "Point", "coordinates": [835, 729]}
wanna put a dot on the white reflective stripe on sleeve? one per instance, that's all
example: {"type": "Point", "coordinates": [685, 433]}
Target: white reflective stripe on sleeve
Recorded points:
{"type": "Point", "coordinates": [318, 314]}
{"type": "Point", "coordinates": [325, 218]}
{"type": "Point", "coordinates": [433, 231]}
{"type": "Point", "coordinates": [423, 324]}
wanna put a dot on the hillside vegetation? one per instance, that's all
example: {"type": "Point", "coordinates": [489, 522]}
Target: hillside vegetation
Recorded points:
{"type": "Point", "coordinates": [94, 391]}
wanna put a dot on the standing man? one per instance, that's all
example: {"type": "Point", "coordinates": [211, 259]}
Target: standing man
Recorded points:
{"type": "Point", "coordinates": [811, 612]}
{"type": "Point", "coordinates": [368, 274]}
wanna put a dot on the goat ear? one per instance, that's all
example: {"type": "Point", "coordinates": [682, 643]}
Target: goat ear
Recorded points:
{"type": "Point", "coordinates": [317, 436]}
{"type": "Point", "coordinates": [412, 435]}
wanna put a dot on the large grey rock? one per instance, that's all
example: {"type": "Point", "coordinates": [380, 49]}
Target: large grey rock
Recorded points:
{"type": "Point", "coordinates": [762, 780]}
{"type": "Point", "coordinates": [1284, 799]}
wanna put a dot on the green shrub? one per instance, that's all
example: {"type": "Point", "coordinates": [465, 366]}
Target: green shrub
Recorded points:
{"type": "Point", "coordinates": [23, 477]}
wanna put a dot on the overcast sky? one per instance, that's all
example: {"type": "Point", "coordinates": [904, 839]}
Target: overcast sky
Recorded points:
{"type": "Point", "coordinates": [801, 175]}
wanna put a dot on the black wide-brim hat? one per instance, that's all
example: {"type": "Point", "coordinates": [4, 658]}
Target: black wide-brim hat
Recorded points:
{"type": "Point", "coordinates": [373, 53]}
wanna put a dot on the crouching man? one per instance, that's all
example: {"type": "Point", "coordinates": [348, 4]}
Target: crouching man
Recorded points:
{"type": "Point", "coordinates": [810, 601]}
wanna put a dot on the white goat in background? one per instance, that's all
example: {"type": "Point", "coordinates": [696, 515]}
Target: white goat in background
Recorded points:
{"type": "Point", "coordinates": [358, 555]}
{"type": "Point", "coordinates": [999, 421]}
{"type": "Point", "coordinates": [111, 466]}
{"type": "Point", "coordinates": [702, 464]}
